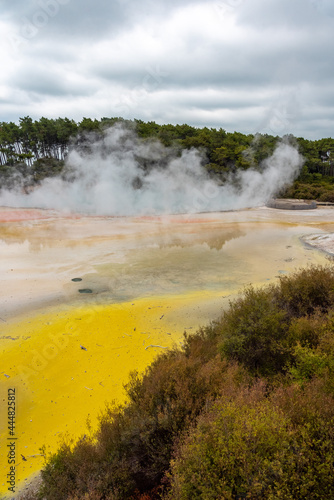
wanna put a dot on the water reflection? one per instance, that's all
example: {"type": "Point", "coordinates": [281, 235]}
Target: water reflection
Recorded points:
{"type": "Point", "coordinates": [123, 258]}
{"type": "Point", "coordinates": [225, 262]}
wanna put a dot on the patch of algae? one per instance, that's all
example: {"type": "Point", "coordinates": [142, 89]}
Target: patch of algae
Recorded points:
{"type": "Point", "coordinates": [66, 364]}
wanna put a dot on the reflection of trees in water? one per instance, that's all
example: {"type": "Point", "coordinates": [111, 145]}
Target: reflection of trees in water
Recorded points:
{"type": "Point", "coordinates": [192, 262]}
{"type": "Point", "coordinates": [210, 238]}
{"type": "Point", "coordinates": [49, 234]}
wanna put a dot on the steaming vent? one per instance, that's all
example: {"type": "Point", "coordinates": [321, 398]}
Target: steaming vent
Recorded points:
{"type": "Point", "coordinates": [121, 174]}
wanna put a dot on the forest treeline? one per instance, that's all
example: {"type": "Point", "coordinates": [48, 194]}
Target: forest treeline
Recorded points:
{"type": "Point", "coordinates": [37, 149]}
{"type": "Point", "coordinates": [244, 410]}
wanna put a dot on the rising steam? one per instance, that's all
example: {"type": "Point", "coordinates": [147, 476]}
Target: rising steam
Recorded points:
{"type": "Point", "coordinates": [122, 175]}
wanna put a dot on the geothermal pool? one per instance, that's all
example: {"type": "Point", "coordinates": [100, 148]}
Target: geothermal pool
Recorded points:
{"type": "Point", "coordinates": [67, 347]}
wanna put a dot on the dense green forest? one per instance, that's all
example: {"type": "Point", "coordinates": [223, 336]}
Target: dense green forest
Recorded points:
{"type": "Point", "coordinates": [244, 410]}
{"type": "Point", "coordinates": [37, 149]}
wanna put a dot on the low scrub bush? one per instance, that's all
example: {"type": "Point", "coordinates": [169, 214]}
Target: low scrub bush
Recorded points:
{"type": "Point", "coordinates": [255, 332]}
{"type": "Point", "coordinates": [262, 328]}
{"type": "Point", "coordinates": [133, 446]}
{"type": "Point", "coordinates": [251, 448]}
{"type": "Point", "coordinates": [306, 291]}
{"type": "Point", "coordinates": [244, 410]}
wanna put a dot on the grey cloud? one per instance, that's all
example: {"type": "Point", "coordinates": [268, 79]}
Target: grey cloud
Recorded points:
{"type": "Point", "coordinates": [248, 64]}
{"type": "Point", "coordinates": [325, 7]}
{"type": "Point", "coordinates": [82, 19]}
{"type": "Point", "coordinates": [280, 13]}
{"type": "Point", "coordinates": [50, 84]}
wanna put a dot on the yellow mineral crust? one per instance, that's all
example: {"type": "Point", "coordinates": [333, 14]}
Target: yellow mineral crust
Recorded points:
{"type": "Point", "coordinates": [151, 278]}
{"type": "Point", "coordinates": [66, 364]}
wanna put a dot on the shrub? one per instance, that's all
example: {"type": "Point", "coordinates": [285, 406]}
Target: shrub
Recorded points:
{"type": "Point", "coordinates": [328, 196]}
{"type": "Point", "coordinates": [305, 291]}
{"type": "Point", "coordinates": [253, 449]}
{"type": "Point", "coordinates": [262, 328]}
{"type": "Point", "coordinates": [306, 330]}
{"type": "Point", "coordinates": [69, 470]}
{"type": "Point", "coordinates": [307, 363]}
{"type": "Point", "coordinates": [46, 167]}
{"type": "Point", "coordinates": [235, 452]}
{"type": "Point", "coordinates": [133, 446]}
{"type": "Point", "coordinates": [254, 332]}
{"type": "Point", "coordinates": [233, 437]}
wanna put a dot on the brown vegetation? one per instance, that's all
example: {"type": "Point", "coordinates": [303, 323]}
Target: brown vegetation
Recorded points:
{"type": "Point", "coordinates": [245, 410]}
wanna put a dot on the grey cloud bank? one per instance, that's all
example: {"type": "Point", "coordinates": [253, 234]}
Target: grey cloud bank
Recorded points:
{"type": "Point", "coordinates": [245, 65]}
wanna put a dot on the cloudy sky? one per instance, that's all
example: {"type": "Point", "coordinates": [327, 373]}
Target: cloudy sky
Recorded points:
{"type": "Point", "coordinates": [247, 65]}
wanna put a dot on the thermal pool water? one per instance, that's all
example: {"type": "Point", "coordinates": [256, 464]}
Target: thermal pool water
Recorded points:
{"type": "Point", "coordinates": [67, 347]}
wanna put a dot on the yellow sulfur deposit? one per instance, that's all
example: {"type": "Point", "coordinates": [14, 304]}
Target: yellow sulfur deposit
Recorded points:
{"type": "Point", "coordinates": [64, 353]}
{"type": "Point", "coordinates": [65, 364]}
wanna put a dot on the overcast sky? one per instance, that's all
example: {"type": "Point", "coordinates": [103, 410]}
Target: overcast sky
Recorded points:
{"type": "Point", "coordinates": [246, 65]}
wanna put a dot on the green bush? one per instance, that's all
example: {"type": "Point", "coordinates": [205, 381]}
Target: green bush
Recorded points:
{"type": "Point", "coordinates": [306, 330]}
{"type": "Point", "coordinates": [311, 187]}
{"type": "Point", "coordinates": [232, 433]}
{"type": "Point", "coordinates": [306, 291]}
{"type": "Point", "coordinates": [308, 363]}
{"type": "Point", "coordinates": [262, 328]}
{"type": "Point", "coordinates": [133, 446]}
{"type": "Point", "coordinates": [247, 449]}
{"type": "Point", "coordinates": [70, 469]}
{"type": "Point", "coordinates": [254, 332]}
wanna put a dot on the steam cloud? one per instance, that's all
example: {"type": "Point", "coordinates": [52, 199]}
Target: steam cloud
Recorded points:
{"type": "Point", "coordinates": [122, 175]}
